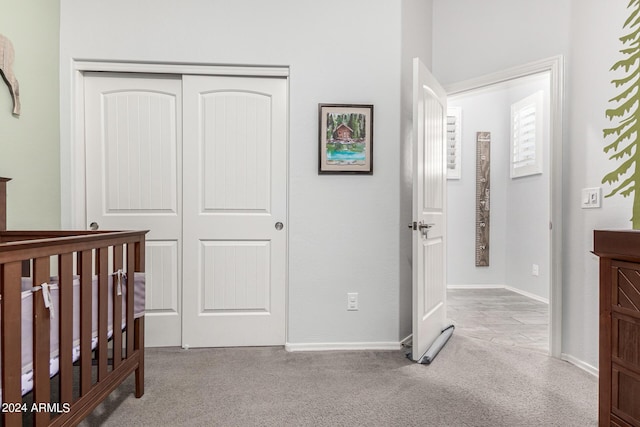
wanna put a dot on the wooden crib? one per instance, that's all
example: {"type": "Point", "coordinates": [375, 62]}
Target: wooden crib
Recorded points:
{"type": "Point", "coordinates": [94, 261]}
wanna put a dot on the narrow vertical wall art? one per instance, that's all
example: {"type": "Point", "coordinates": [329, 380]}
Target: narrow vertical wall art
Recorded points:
{"type": "Point", "coordinates": [7, 56]}
{"type": "Point", "coordinates": [483, 187]}
{"type": "Point", "coordinates": [626, 113]}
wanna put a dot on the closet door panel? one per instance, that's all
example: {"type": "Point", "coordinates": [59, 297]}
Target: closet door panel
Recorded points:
{"type": "Point", "coordinates": [133, 128]}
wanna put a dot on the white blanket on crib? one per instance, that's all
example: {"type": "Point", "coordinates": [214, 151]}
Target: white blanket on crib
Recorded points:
{"type": "Point", "coordinates": [27, 320]}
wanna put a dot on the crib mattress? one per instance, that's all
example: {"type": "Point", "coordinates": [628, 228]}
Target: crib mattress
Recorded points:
{"type": "Point", "coordinates": [27, 320]}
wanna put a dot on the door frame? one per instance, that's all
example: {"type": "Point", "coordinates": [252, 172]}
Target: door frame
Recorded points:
{"type": "Point", "coordinates": [555, 67]}
{"type": "Point", "coordinates": [74, 191]}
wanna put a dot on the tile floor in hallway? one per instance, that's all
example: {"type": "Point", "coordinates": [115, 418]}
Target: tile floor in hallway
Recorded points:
{"type": "Point", "coordinates": [500, 316]}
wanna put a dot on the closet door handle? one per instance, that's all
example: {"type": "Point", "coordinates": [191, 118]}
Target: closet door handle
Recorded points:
{"type": "Point", "coordinates": [93, 226]}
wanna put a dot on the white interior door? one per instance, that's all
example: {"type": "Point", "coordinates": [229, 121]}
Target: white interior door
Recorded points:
{"type": "Point", "coordinates": [235, 211]}
{"type": "Point", "coordinates": [133, 180]}
{"type": "Point", "coordinates": [429, 201]}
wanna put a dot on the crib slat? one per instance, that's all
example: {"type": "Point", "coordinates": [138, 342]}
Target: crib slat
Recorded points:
{"type": "Point", "coordinates": [131, 269]}
{"type": "Point", "coordinates": [65, 262]}
{"type": "Point", "coordinates": [84, 266]}
{"type": "Point", "coordinates": [139, 323]}
{"type": "Point", "coordinates": [11, 339]}
{"type": "Point", "coordinates": [102, 269]}
{"type": "Point", "coordinates": [117, 310]}
{"type": "Point", "coordinates": [139, 331]}
{"type": "Point", "coordinates": [3, 203]}
{"type": "Point", "coordinates": [41, 341]}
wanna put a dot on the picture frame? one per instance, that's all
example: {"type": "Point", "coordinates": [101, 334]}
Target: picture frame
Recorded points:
{"type": "Point", "coordinates": [345, 139]}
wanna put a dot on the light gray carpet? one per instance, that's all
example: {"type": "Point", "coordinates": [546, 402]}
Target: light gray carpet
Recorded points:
{"type": "Point", "coordinates": [471, 383]}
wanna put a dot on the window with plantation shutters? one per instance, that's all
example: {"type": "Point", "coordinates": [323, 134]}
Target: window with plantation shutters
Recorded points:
{"type": "Point", "coordinates": [526, 136]}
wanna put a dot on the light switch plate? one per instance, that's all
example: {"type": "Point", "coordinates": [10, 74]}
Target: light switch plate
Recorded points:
{"type": "Point", "coordinates": [352, 301]}
{"type": "Point", "coordinates": [591, 198]}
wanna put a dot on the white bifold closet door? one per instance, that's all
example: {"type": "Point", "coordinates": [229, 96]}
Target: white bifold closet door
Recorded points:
{"type": "Point", "coordinates": [200, 161]}
{"type": "Point", "coordinates": [133, 143]}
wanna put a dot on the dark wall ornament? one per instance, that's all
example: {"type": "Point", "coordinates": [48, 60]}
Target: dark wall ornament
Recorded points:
{"type": "Point", "coordinates": [626, 112]}
{"type": "Point", "coordinates": [483, 194]}
{"type": "Point", "coordinates": [7, 55]}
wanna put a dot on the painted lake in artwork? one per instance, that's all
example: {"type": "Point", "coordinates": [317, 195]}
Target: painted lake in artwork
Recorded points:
{"type": "Point", "coordinates": [346, 154]}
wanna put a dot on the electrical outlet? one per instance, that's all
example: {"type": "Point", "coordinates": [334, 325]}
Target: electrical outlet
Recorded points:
{"type": "Point", "coordinates": [535, 270]}
{"type": "Point", "coordinates": [352, 301]}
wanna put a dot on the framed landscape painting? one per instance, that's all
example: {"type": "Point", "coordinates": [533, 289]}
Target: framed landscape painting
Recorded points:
{"type": "Point", "coordinates": [345, 139]}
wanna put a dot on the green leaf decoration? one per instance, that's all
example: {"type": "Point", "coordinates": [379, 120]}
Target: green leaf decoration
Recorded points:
{"type": "Point", "coordinates": [626, 151]}
{"type": "Point", "coordinates": [623, 109]}
{"type": "Point", "coordinates": [625, 80]}
{"type": "Point", "coordinates": [625, 113]}
{"type": "Point", "coordinates": [633, 87]}
{"type": "Point", "coordinates": [623, 136]}
{"type": "Point", "coordinates": [614, 176]}
{"type": "Point", "coordinates": [633, 15]}
{"type": "Point", "coordinates": [628, 183]}
{"type": "Point", "coordinates": [624, 123]}
{"type": "Point", "coordinates": [630, 36]}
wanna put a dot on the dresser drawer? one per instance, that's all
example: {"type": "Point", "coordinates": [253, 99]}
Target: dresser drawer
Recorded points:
{"type": "Point", "coordinates": [626, 395]}
{"type": "Point", "coordinates": [625, 347]}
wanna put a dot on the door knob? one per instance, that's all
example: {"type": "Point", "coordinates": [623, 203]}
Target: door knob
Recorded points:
{"type": "Point", "coordinates": [424, 228]}
{"type": "Point", "coordinates": [279, 226]}
{"type": "Point", "coordinates": [93, 226]}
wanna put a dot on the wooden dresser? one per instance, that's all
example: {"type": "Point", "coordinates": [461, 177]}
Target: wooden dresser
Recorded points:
{"type": "Point", "coordinates": [619, 395]}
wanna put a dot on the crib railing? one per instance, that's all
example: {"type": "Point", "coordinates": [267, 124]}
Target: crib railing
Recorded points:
{"type": "Point", "coordinates": [64, 255]}
{"type": "Point", "coordinates": [77, 388]}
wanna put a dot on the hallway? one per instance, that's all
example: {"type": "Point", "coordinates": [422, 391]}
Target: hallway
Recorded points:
{"type": "Point", "coordinates": [500, 316]}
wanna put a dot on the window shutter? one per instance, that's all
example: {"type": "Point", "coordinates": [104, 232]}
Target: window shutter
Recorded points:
{"type": "Point", "coordinates": [526, 136]}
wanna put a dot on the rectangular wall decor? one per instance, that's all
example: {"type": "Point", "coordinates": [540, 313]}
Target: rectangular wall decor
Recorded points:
{"type": "Point", "coordinates": [345, 141]}
{"type": "Point", "coordinates": [483, 151]}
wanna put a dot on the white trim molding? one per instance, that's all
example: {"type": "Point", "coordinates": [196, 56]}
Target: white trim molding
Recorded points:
{"type": "Point", "coordinates": [555, 67]}
{"type": "Point", "coordinates": [477, 286]}
{"type": "Point", "coordinates": [342, 346]}
{"type": "Point", "coordinates": [407, 341]}
{"type": "Point", "coordinates": [180, 68]}
{"type": "Point", "coordinates": [527, 294]}
{"type": "Point", "coordinates": [580, 364]}
{"type": "Point", "coordinates": [497, 286]}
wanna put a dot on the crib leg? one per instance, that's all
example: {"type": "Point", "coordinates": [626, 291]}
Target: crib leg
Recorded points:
{"type": "Point", "coordinates": [139, 346]}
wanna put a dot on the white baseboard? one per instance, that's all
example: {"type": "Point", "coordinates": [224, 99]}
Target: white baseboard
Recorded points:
{"type": "Point", "coordinates": [580, 364]}
{"type": "Point", "coordinates": [407, 341]}
{"type": "Point", "coordinates": [498, 286]}
{"type": "Point", "coordinates": [528, 294]}
{"type": "Point", "coordinates": [342, 346]}
{"type": "Point", "coordinates": [473, 286]}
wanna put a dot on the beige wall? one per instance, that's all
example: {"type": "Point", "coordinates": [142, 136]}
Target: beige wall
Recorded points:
{"type": "Point", "coordinates": [29, 144]}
